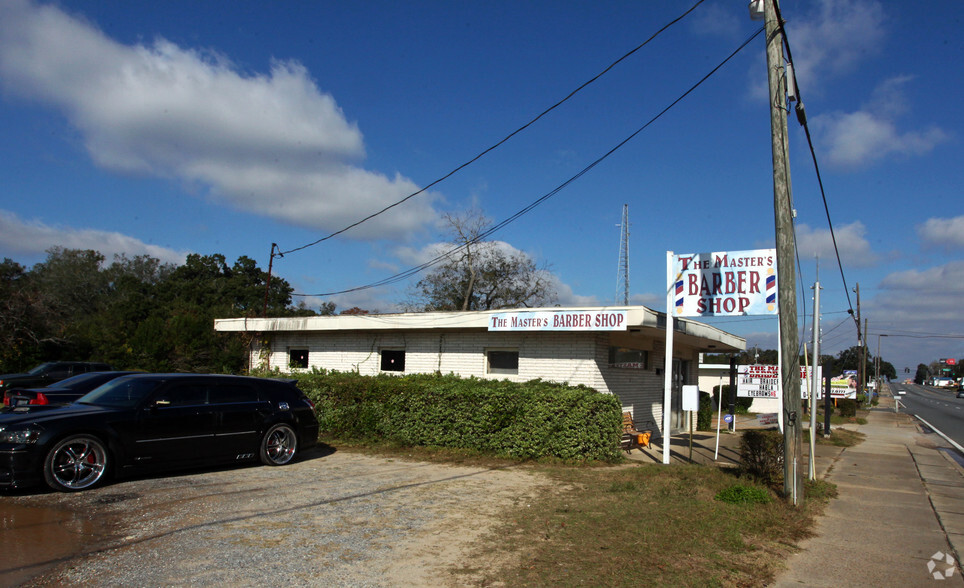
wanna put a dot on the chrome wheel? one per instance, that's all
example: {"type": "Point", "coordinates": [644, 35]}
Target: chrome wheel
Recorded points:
{"type": "Point", "coordinates": [279, 445]}
{"type": "Point", "coordinates": [76, 463]}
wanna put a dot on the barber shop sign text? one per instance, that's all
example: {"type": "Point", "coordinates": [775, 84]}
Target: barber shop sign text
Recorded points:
{"type": "Point", "coordinates": [728, 283]}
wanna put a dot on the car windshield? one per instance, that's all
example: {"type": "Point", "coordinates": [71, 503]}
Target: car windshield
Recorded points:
{"type": "Point", "coordinates": [40, 369]}
{"type": "Point", "coordinates": [122, 392]}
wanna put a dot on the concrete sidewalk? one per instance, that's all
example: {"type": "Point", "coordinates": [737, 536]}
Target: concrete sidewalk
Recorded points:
{"type": "Point", "coordinates": [898, 517]}
{"type": "Point", "coordinates": [899, 511]}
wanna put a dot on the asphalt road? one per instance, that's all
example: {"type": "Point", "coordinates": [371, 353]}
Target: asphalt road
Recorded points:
{"type": "Point", "coordinates": [941, 408]}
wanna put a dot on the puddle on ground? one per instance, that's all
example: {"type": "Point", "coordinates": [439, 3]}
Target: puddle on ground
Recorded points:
{"type": "Point", "coordinates": [35, 538]}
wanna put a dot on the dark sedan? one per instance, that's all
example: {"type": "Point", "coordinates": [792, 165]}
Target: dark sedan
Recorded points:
{"type": "Point", "coordinates": [62, 392]}
{"type": "Point", "coordinates": [156, 421]}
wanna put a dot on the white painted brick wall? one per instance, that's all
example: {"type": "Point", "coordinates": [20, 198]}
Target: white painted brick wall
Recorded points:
{"type": "Point", "coordinates": [570, 357]}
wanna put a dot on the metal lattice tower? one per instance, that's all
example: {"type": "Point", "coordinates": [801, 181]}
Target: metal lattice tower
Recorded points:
{"type": "Point", "coordinates": [622, 274]}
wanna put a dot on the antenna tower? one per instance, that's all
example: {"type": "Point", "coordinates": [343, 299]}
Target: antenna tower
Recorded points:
{"type": "Point", "coordinates": [622, 274]}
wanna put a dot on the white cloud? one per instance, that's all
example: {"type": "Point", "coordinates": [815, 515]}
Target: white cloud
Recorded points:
{"type": "Point", "coordinates": [34, 238]}
{"type": "Point", "coordinates": [855, 250]}
{"type": "Point", "coordinates": [858, 138]}
{"type": "Point", "coordinates": [717, 20]}
{"type": "Point", "coordinates": [835, 38]}
{"type": "Point", "coordinates": [943, 232]}
{"type": "Point", "coordinates": [272, 144]}
{"type": "Point", "coordinates": [920, 311]}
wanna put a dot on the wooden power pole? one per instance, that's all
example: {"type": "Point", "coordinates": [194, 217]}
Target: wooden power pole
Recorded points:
{"type": "Point", "coordinates": [786, 256]}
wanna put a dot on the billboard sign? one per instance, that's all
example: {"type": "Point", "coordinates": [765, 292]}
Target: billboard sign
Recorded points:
{"type": "Point", "coordinates": [726, 283]}
{"type": "Point", "coordinates": [763, 381]}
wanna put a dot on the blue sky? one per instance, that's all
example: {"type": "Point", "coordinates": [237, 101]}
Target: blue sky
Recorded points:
{"type": "Point", "coordinates": [177, 127]}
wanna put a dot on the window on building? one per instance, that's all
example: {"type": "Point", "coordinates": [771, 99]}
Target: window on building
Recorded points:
{"type": "Point", "coordinates": [502, 361]}
{"type": "Point", "coordinates": [298, 358]}
{"type": "Point", "coordinates": [624, 357]}
{"type": "Point", "coordinates": [393, 360]}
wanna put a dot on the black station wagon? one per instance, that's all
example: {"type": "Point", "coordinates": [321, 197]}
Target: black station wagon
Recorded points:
{"type": "Point", "coordinates": [156, 421]}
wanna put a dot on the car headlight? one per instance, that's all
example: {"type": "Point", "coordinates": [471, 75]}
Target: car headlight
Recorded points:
{"type": "Point", "coordinates": [19, 436]}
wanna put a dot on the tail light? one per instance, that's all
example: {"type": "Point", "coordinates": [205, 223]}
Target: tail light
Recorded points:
{"type": "Point", "coordinates": [6, 399]}
{"type": "Point", "coordinates": [40, 399]}
{"type": "Point", "coordinates": [310, 403]}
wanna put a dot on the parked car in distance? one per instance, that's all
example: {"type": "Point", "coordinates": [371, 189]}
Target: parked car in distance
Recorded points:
{"type": "Point", "coordinates": [50, 372]}
{"type": "Point", "coordinates": [62, 392]}
{"type": "Point", "coordinates": [901, 392]}
{"type": "Point", "coordinates": [156, 421]}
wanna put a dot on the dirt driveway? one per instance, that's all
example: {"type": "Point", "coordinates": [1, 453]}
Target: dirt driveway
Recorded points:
{"type": "Point", "coordinates": [331, 519]}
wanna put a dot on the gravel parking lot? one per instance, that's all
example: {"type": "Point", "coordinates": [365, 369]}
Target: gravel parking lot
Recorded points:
{"type": "Point", "coordinates": [331, 519]}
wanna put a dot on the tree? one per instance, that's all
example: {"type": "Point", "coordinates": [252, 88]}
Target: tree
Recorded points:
{"type": "Point", "coordinates": [136, 313]}
{"type": "Point", "coordinates": [22, 326]}
{"type": "Point", "coordinates": [482, 275]}
{"type": "Point", "coordinates": [921, 376]}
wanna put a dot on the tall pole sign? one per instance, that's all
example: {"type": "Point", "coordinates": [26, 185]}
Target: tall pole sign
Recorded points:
{"type": "Point", "coordinates": [717, 283]}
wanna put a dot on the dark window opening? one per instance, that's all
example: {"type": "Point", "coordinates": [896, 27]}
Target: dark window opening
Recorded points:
{"type": "Point", "coordinates": [624, 357]}
{"type": "Point", "coordinates": [298, 358]}
{"type": "Point", "coordinates": [502, 361]}
{"type": "Point", "coordinates": [393, 360]}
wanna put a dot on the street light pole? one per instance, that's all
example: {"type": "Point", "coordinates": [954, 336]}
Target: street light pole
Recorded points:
{"type": "Point", "coordinates": [877, 362]}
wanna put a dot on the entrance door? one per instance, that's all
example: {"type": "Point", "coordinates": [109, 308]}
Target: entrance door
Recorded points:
{"type": "Point", "coordinates": [681, 370]}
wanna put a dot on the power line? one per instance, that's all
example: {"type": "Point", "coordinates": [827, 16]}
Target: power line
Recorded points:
{"type": "Point", "coordinates": [485, 234]}
{"type": "Point", "coordinates": [504, 139]}
{"type": "Point", "coordinates": [802, 119]}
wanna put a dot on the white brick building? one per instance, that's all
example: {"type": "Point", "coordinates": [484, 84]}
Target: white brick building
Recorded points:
{"type": "Point", "coordinates": [617, 350]}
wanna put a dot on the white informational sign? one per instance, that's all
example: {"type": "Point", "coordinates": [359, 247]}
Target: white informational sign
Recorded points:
{"type": "Point", "coordinates": [559, 320]}
{"type": "Point", "coordinates": [844, 386]}
{"type": "Point", "coordinates": [763, 381]}
{"type": "Point", "coordinates": [726, 283]}
{"type": "Point", "coordinates": [691, 398]}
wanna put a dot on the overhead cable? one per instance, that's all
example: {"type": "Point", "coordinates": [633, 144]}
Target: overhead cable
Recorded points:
{"type": "Point", "coordinates": [504, 139]}
{"type": "Point", "coordinates": [488, 232]}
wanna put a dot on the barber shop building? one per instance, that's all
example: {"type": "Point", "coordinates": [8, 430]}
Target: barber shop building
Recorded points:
{"type": "Point", "coordinates": [616, 350]}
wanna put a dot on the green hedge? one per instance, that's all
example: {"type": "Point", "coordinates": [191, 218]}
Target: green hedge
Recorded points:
{"type": "Point", "coordinates": [528, 420]}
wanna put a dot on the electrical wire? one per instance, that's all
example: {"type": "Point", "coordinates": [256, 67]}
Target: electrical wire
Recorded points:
{"type": "Point", "coordinates": [802, 119]}
{"type": "Point", "coordinates": [488, 232]}
{"type": "Point", "coordinates": [504, 139]}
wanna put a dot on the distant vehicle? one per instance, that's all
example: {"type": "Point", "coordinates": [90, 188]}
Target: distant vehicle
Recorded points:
{"type": "Point", "coordinates": [901, 392]}
{"type": "Point", "coordinates": [960, 392]}
{"type": "Point", "coordinates": [62, 392]}
{"type": "Point", "coordinates": [50, 372]}
{"type": "Point", "coordinates": [156, 421]}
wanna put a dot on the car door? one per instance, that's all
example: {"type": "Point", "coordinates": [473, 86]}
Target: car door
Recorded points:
{"type": "Point", "coordinates": [241, 413]}
{"type": "Point", "coordinates": [176, 426]}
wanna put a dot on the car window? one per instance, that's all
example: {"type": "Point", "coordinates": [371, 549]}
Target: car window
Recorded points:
{"type": "Point", "coordinates": [122, 392]}
{"type": "Point", "coordinates": [185, 394]}
{"type": "Point", "coordinates": [232, 393]}
{"type": "Point", "coordinates": [40, 369]}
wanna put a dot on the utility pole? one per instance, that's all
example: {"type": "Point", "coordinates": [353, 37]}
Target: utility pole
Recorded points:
{"type": "Point", "coordinates": [786, 255]}
{"type": "Point", "coordinates": [860, 345]}
{"type": "Point", "coordinates": [815, 381]}
{"type": "Point", "coordinates": [863, 360]}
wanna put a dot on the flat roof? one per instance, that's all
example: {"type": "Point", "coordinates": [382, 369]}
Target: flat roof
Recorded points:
{"type": "Point", "coordinates": [639, 319]}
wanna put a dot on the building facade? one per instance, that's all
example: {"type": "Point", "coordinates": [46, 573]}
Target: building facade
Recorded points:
{"type": "Point", "coordinates": [615, 350]}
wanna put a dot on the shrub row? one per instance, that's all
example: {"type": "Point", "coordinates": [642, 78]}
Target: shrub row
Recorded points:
{"type": "Point", "coordinates": [528, 420]}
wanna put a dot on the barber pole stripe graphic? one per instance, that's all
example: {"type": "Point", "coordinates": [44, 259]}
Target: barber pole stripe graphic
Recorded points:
{"type": "Point", "coordinates": [771, 290]}
{"type": "Point", "coordinates": [679, 296]}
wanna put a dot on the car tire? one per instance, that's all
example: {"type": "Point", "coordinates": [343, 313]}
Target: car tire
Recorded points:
{"type": "Point", "coordinates": [279, 445]}
{"type": "Point", "coordinates": [76, 463]}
